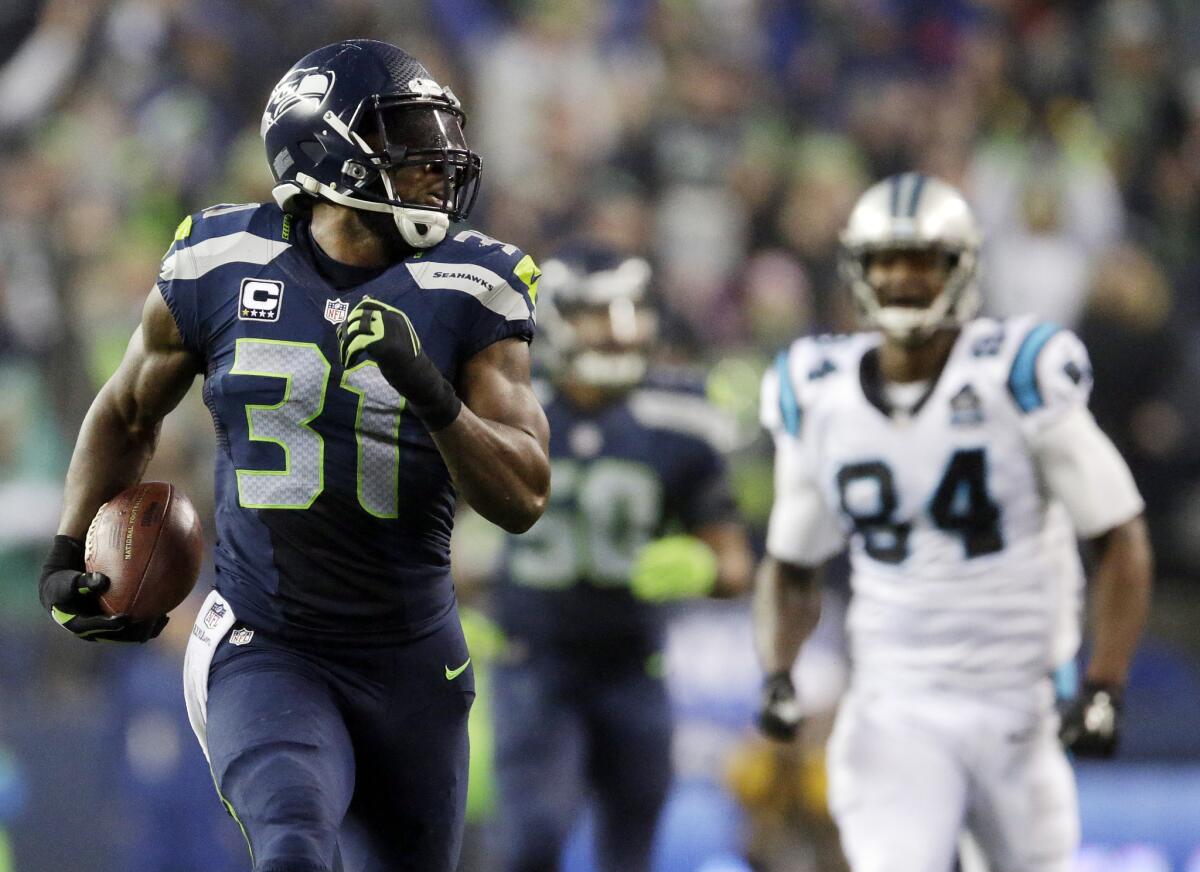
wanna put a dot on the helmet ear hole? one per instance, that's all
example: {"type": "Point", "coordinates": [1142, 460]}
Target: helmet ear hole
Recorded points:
{"type": "Point", "coordinates": [312, 150]}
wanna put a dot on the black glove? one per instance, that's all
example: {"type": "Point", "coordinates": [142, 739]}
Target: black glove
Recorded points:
{"type": "Point", "coordinates": [72, 597]}
{"type": "Point", "coordinates": [1090, 722]}
{"type": "Point", "coordinates": [384, 333]}
{"type": "Point", "coordinates": [779, 714]}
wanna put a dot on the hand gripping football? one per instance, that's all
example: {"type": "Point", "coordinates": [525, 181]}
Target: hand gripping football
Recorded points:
{"type": "Point", "coordinates": [147, 540]}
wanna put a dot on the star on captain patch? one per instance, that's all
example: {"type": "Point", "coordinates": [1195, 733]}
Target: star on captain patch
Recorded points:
{"type": "Point", "coordinates": [335, 311]}
{"type": "Point", "coordinates": [966, 410]}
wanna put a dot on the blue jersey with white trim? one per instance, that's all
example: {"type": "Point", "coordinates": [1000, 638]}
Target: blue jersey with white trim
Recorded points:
{"type": "Point", "coordinates": [333, 506]}
{"type": "Point", "coordinates": [621, 476]}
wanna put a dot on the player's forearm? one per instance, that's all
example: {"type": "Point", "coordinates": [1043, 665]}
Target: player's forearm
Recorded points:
{"type": "Point", "coordinates": [111, 454]}
{"type": "Point", "coordinates": [502, 471]}
{"type": "Point", "coordinates": [1120, 600]}
{"type": "Point", "coordinates": [735, 561]}
{"type": "Point", "coordinates": [787, 606]}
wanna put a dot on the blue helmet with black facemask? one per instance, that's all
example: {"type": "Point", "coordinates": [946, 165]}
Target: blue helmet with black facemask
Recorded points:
{"type": "Point", "coordinates": [347, 115]}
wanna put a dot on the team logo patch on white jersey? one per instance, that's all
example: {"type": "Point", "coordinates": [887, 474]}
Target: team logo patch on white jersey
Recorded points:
{"type": "Point", "coordinates": [335, 311]}
{"type": "Point", "coordinates": [215, 612]}
{"type": "Point", "coordinates": [966, 409]}
{"type": "Point", "coordinates": [261, 300]}
{"type": "Point", "coordinates": [241, 636]}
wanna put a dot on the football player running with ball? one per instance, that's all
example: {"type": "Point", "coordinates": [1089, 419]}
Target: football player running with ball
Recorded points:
{"type": "Point", "coordinates": [362, 363]}
{"type": "Point", "coordinates": [641, 515]}
{"type": "Point", "coordinates": [958, 457]}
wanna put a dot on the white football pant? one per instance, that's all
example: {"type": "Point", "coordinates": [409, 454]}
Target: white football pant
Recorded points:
{"type": "Point", "coordinates": [910, 770]}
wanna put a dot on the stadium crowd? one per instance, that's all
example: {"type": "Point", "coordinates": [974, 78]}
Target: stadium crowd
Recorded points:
{"type": "Point", "coordinates": [723, 139]}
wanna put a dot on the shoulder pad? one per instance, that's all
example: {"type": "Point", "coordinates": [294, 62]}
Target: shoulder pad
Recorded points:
{"type": "Point", "coordinates": [806, 367]}
{"type": "Point", "coordinates": [254, 233]}
{"type": "Point", "coordinates": [679, 379]}
{"type": "Point", "coordinates": [683, 412]}
{"type": "Point", "coordinates": [500, 275]}
{"type": "Point", "coordinates": [1050, 369]}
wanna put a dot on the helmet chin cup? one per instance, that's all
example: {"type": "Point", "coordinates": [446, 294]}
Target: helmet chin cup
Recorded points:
{"type": "Point", "coordinates": [907, 326]}
{"type": "Point", "coordinates": [608, 370]}
{"type": "Point", "coordinates": [421, 228]}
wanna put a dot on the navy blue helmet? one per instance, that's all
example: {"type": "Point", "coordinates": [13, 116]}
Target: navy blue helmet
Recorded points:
{"type": "Point", "coordinates": [345, 117]}
{"type": "Point", "coordinates": [594, 310]}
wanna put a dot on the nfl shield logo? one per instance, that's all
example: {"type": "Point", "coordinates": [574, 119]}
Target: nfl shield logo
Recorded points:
{"type": "Point", "coordinates": [215, 612]}
{"type": "Point", "coordinates": [335, 311]}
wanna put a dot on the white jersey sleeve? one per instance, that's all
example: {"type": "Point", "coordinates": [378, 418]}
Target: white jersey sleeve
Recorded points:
{"type": "Point", "coordinates": [1051, 381]}
{"type": "Point", "coordinates": [802, 530]}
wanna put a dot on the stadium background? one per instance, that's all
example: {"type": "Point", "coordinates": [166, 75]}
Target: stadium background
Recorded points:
{"type": "Point", "coordinates": [726, 140]}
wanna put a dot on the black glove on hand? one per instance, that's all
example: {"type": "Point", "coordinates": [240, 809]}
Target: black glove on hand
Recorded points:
{"type": "Point", "coordinates": [72, 597]}
{"type": "Point", "coordinates": [384, 333]}
{"type": "Point", "coordinates": [1090, 722]}
{"type": "Point", "coordinates": [779, 714]}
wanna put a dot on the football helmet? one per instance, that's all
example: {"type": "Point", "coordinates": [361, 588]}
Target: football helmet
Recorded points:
{"type": "Point", "coordinates": [911, 211]}
{"type": "Point", "coordinates": [594, 313]}
{"type": "Point", "coordinates": [346, 115]}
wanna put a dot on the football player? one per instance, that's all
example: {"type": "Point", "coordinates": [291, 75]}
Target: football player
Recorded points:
{"type": "Point", "coordinates": [363, 363]}
{"type": "Point", "coordinates": [641, 514]}
{"type": "Point", "coordinates": [958, 457]}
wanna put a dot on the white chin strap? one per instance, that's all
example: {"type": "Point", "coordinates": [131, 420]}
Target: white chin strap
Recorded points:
{"type": "Point", "coordinates": [907, 325]}
{"type": "Point", "coordinates": [601, 369]}
{"type": "Point", "coordinates": [420, 228]}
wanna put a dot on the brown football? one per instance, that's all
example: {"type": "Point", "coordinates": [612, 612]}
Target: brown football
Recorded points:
{"type": "Point", "coordinates": [148, 541]}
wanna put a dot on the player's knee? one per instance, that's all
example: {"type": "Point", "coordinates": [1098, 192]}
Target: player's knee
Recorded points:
{"type": "Point", "coordinates": [287, 817]}
{"type": "Point", "coordinates": [296, 841]}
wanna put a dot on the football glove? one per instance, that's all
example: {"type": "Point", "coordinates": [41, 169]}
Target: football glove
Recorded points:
{"type": "Point", "coordinates": [72, 596]}
{"type": "Point", "coordinates": [779, 712]}
{"type": "Point", "coordinates": [673, 568]}
{"type": "Point", "coordinates": [1090, 723]}
{"type": "Point", "coordinates": [384, 334]}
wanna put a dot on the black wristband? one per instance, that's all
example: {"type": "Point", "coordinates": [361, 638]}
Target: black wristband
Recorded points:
{"type": "Point", "coordinates": [776, 679]}
{"type": "Point", "coordinates": [431, 397]}
{"type": "Point", "coordinates": [65, 553]}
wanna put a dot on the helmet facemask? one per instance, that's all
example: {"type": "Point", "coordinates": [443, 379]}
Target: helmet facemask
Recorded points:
{"type": "Point", "coordinates": [955, 304]}
{"type": "Point", "coordinates": [408, 134]}
{"type": "Point", "coordinates": [598, 327]}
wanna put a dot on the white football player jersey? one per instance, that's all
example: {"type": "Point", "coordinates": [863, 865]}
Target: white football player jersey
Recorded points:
{"type": "Point", "coordinates": [965, 571]}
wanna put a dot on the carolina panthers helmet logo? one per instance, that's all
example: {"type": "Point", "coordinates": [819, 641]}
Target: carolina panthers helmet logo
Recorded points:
{"type": "Point", "coordinates": [306, 87]}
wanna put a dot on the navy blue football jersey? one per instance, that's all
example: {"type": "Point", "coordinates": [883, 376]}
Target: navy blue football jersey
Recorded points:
{"type": "Point", "coordinates": [333, 506]}
{"type": "Point", "coordinates": [620, 477]}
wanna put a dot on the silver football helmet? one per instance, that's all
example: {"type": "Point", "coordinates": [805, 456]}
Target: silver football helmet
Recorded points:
{"type": "Point", "coordinates": [594, 314]}
{"type": "Point", "coordinates": [913, 211]}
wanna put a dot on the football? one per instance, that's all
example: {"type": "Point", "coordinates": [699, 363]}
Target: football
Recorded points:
{"type": "Point", "coordinates": [147, 540]}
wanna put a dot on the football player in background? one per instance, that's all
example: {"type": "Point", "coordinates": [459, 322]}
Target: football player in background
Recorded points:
{"type": "Point", "coordinates": [959, 458]}
{"type": "Point", "coordinates": [641, 514]}
{"type": "Point", "coordinates": [362, 364]}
